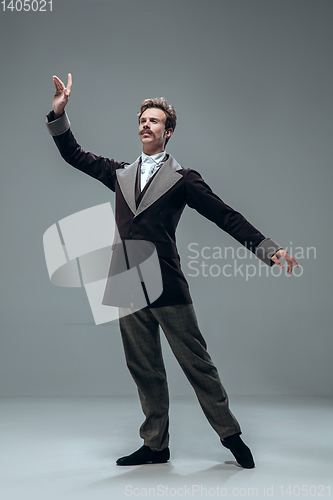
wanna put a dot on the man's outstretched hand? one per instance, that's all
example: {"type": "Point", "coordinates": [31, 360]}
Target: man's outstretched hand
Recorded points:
{"type": "Point", "coordinates": [61, 95]}
{"type": "Point", "coordinates": [288, 258]}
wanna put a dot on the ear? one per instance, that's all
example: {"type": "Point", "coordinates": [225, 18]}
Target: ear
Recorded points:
{"type": "Point", "coordinates": [168, 133]}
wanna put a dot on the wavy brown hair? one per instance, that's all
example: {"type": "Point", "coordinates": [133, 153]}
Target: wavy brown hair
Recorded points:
{"type": "Point", "coordinates": [160, 103]}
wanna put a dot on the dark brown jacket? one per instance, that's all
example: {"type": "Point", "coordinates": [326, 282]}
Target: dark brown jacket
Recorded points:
{"type": "Point", "coordinates": [156, 217]}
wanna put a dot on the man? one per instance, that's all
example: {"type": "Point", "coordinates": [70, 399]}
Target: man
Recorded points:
{"type": "Point", "coordinates": [151, 194]}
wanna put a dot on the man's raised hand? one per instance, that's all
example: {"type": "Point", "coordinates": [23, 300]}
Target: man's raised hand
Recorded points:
{"type": "Point", "coordinates": [61, 95]}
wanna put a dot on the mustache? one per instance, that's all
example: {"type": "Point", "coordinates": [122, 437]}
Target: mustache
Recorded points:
{"type": "Point", "coordinates": [145, 131]}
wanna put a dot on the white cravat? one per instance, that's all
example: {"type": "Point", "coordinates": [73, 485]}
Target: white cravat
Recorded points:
{"type": "Point", "coordinates": [149, 166]}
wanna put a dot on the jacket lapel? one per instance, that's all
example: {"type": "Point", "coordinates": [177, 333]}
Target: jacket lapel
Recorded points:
{"type": "Point", "coordinates": [165, 178]}
{"type": "Point", "coordinates": [126, 179]}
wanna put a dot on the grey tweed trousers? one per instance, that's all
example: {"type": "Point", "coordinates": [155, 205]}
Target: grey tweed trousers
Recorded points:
{"type": "Point", "coordinates": [141, 340]}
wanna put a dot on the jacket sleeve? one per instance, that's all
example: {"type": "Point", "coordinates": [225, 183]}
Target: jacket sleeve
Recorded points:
{"type": "Point", "coordinates": [200, 197]}
{"type": "Point", "coordinates": [101, 168]}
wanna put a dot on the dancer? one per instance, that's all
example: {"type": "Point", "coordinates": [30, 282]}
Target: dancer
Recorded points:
{"type": "Point", "coordinates": [151, 194]}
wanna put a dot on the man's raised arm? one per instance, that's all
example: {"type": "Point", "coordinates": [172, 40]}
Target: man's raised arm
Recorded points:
{"type": "Point", "coordinates": [58, 125]}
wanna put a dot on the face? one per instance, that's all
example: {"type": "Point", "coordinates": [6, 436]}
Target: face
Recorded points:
{"type": "Point", "coordinates": [152, 130]}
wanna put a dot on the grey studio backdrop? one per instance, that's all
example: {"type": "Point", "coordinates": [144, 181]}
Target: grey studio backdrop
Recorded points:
{"type": "Point", "coordinates": [251, 81]}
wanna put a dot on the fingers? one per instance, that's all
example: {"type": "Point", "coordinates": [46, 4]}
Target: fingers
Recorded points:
{"type": "Point", "coordinates": [59, 86]}
{"type": "Point", "coordinates": [276, 260]}
{"type": "Point", "coordinates": [69, 86]}
{"type": "Point", "coordinates": [294, 261]}
{"type": "Point", "coordinates": [289, 259]}
{"type": "Point", "coordinates": [69, 82]}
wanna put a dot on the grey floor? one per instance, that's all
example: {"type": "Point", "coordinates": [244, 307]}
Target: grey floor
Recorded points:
{"type": "Point", "coordinates": [65, 448]}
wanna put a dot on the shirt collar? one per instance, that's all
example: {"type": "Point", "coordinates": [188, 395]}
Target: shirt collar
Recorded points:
{"type": "Point", "coordinates": [152, 158]}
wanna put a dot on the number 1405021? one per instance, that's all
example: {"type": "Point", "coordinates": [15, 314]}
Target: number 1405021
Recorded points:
{"type": "Point", "coordinates": [27, 5]}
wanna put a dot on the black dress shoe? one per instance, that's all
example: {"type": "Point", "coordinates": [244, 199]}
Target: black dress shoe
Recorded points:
{"type": "Point", "coordinates": [240, 451]}
{"type": "Point", "coordinates": [145, 455]}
